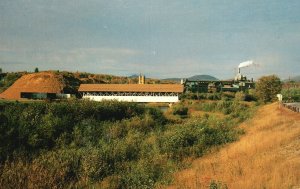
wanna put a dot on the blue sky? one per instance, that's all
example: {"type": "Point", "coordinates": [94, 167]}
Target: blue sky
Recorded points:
{"type": "Point", "coordinates": [160, 38]}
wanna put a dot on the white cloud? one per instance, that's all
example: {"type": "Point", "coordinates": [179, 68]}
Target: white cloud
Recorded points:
{"type": "Point", "coordinates": [5, 49]}
{"type": "Point", "coordinates": [108, 55]}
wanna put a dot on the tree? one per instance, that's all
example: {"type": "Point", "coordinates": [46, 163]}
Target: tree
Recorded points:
{"type": "Point", "coordinates": [36, 70]}
{"type": "Point", "coordinates": [267, 87]}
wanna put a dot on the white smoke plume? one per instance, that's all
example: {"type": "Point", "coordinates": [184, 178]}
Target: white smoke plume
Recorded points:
{"type": "Point", "coordinates": [246, 64]}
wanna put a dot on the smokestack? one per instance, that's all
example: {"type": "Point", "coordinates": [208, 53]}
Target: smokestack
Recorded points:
{"type": "Point", "coordinates": [141, 79]}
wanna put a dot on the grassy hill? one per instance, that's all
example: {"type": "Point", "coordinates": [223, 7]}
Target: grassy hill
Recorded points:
{"type": "Point", "coordinates": [268, 156]}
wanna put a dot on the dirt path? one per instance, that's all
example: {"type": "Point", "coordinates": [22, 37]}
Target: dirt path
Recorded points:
{"type": "Point", "coordinates": [267, 156]}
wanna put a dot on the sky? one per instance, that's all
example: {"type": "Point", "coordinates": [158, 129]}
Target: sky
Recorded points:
{"type": "Point", "coordinates": [158, 38]}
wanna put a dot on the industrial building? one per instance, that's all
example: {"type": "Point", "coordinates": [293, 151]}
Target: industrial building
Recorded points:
{"type": "Point", "coordinates": [239, 83]}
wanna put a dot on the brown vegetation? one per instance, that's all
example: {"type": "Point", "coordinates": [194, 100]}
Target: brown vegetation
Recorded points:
{"type": "Point", "coordinates": [268, 156]}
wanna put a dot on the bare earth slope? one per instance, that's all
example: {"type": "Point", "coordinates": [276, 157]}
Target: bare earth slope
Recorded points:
{"type": "Point", "coordinates": [43, 82]}
{"type": "Point", "coordinates": [267, 156]}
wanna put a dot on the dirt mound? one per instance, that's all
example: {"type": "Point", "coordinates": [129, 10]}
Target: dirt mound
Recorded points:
{"type": "Point", "coordinates": [43, 82]}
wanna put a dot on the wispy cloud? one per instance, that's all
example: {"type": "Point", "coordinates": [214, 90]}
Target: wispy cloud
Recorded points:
{"type": "Point", "coordinates": [96, 55]}
{"type": "Point", "coordinates": [73, 59]}
{"type": "Point", "coordinates": [108, 51]}
{"type": "Point", "coordinates": [5, 49]}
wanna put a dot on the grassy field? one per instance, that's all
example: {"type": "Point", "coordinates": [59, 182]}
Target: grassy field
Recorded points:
{"type": "Point", "coordinates": [267, 156]}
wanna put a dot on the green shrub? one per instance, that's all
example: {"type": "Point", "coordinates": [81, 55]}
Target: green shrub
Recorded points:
{"type": "Point", "coordinates": [240, 96]}
{"type": "Point", "coordinates": [217, 185]}
{"type": "Point", "coordinates": [80, 144]}
{"type": "Point", "coordinates": [180, 110]}
{"type": "Point", "coordinates": [228, 95]}
{"type": "Point", "coordinates": [146, 172]}
{"type": "Point", "coordinates": [213, 96]}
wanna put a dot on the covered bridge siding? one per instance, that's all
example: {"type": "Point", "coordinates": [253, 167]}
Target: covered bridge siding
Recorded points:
{"type": "Point", "coordinates": [132, 92]}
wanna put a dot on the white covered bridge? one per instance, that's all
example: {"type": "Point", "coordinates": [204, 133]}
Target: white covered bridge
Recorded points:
{"type": "Point", "coordinates": [132, 92]}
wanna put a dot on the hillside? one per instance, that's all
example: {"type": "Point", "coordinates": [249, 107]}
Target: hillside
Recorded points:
{"type": "Point", "coordinates": [267, 156]}
{"type": "Point", "coordinates": [46, 82]}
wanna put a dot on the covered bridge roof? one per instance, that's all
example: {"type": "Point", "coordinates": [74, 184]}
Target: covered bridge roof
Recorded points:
{"type": "Point", "coordinates": [176, 88]}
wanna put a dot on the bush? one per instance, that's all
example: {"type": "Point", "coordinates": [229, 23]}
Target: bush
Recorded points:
{"type": "Point", "coordinates": [52, 170]}
{"type": "Point", "coordinates": [80, 144]}
{"type": "Point", "coordinates": [146, 172]}
{"type": "Point", "coordinates": [268, 87]}
{"type": "Point", "coordinates": [180, 110]}
{"type": "Point", "coordinates": [228, 95]}
{"type": "Point", "coordinates": [240, 96]}
{"type": "Point", "coordinates": [213, 96]}
{"type": "Point", "coordinates": [194, 138]}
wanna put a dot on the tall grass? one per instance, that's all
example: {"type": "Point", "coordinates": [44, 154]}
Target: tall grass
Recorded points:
{"type": "Point", "coordinates": [266, 157]}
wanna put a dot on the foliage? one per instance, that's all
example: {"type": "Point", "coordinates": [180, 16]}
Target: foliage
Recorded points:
{"type": "Point", "coordinates": [291, 94]}
{"type": "Point", "coordinates": [79, 144]}
{"type": "Point", "coordinates": [267, 87]}
{"type": "Point", "coordinates": [201, 96]}
{"type": "Point", "coordinates": [240, 96]}
{"type": "Point", "coordinates": [217, 185]}
{"type": "Point", "coordinates": [36, 70]}
{"type": "Point", "coordinates": [8, 79]}
{"type": "Point", "coordinates": [228, 95]}
{"type": "Point", "coordinates": [180, 110]}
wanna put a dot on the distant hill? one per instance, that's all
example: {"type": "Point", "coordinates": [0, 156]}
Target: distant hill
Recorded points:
{"type": "Point", "coordinates": [296, 78]}
{"type": "Point", "coordinates": [133, 76]}
{"type": "Point", "coordinates": [203, 78]}
{"type": "Point", "coordinates": [195, 78]}
{"type": "Point", "coordinates": [177, 80]}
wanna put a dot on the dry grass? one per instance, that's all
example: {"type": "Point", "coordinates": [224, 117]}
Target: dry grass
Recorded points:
{"type": "Point", "coordinates": [267, 156]}
{"type": "Point", "coordinates": [198, 113]}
